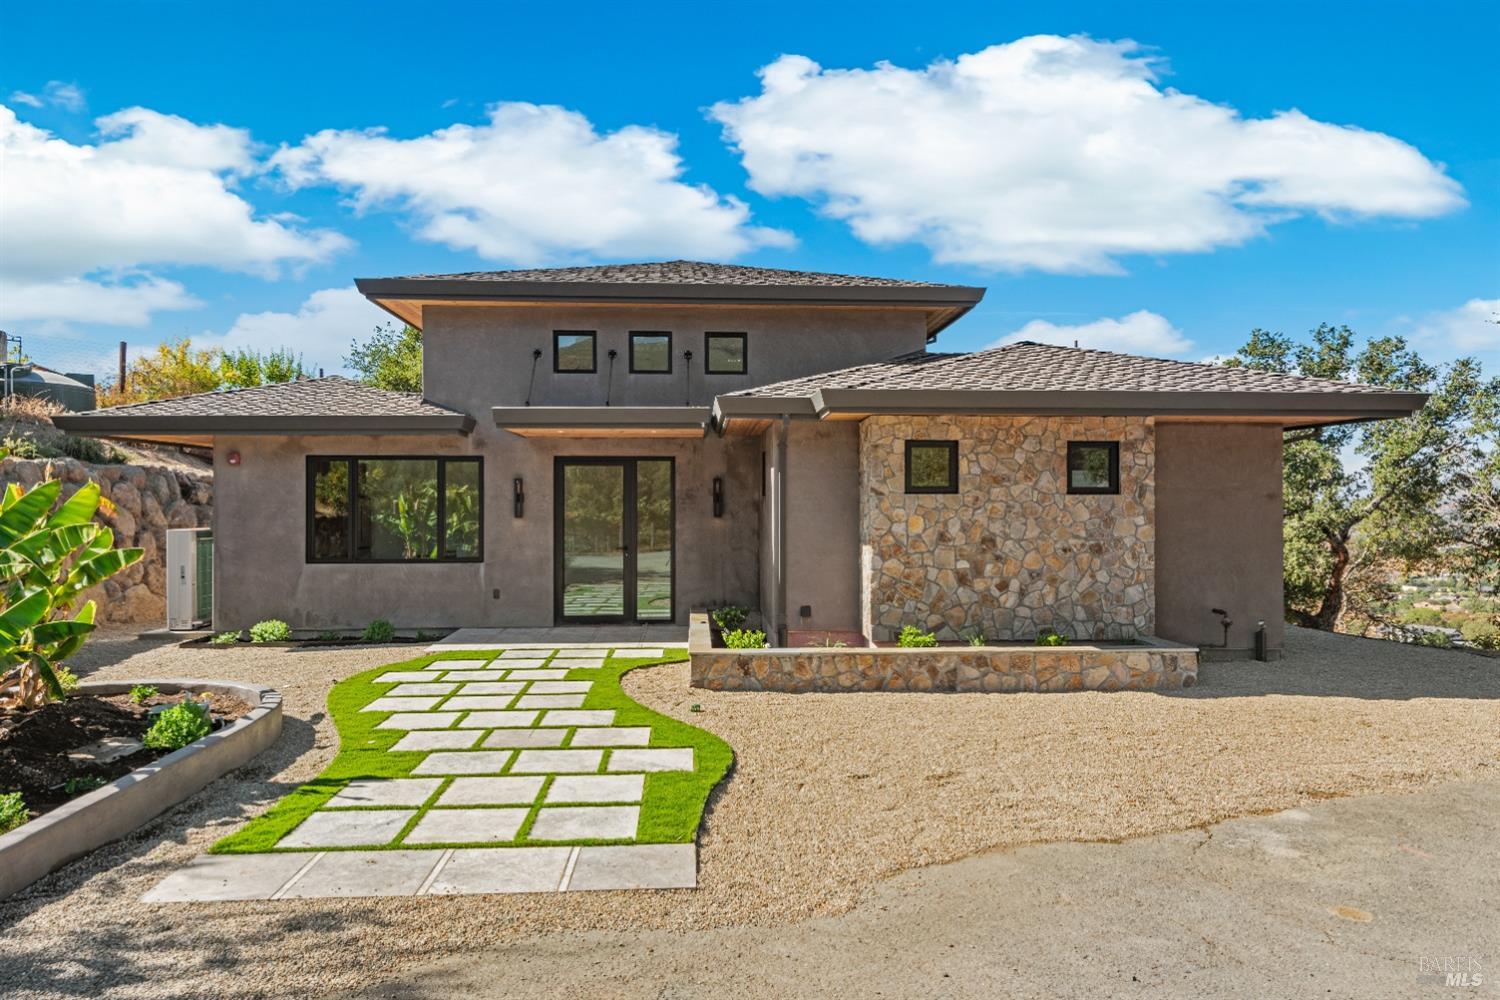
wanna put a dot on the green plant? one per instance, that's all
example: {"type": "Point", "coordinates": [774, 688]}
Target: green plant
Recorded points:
{"type": "Point", "coordinates": [50, 553]}
{"type": "Point", "coordinates": [729, 617]}
{"type": "Point", "coordinates": [977, 639]}
{"type": "Point", "coordinates": [329, 637]}
{"type": "Point", "coordinates": [67, 680]}
{"type": "Point", "coordinates": [225, 639]}
{"type": "Point", "coordinates": [695, 707]}
{"type": "Point", "coordinates": [13, 811]}
{"type": "Point", "coordinates": [142, 693]}
{"type": "Point", "coordinates": [745, 638]}
{"type": "Point", "coordinates": [87, 449]}
{"type": "Point", "coordinates": [25, 447]}
{"type": "Point", "coordinates": [912, 637]}
{"type": "Point", "coordinates": [1051, 637]}
{"type": "Point", "coordinates": [1438, 640]}
{"type": "Point", "coordinates": [378, 630]}
{"type": "Point", "coordinates": [1483, 633]}
{"type": "Point", "coordinates": [81, 784]}
{"type": "Point", "coordinates": [270, 630]}
{"type": "Point", "coordinates": [178, 726]}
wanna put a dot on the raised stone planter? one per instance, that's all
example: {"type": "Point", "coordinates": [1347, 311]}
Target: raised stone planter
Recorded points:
{"type": "Point", "coordinates": [1147, 664]}
{"type": "Point", "coordinates": [109, 813]}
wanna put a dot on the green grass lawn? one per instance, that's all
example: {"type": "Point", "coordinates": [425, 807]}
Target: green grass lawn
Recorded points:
{"type": "Point", "coordinates": [671, 807]}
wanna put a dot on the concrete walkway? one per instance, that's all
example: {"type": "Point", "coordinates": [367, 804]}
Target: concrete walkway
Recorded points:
{"type": "Point", "coordinates": [1380, 896]}
{"type": "Point", "coordinates": [516, 786]}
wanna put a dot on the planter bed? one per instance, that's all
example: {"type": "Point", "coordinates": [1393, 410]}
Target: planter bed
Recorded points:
{"type": "Point", "coordinates": [205, 642]}
{"type": "Point", "coordinates": [1144, 663]}
{"type": "Point", "coordinates": [145, 783]}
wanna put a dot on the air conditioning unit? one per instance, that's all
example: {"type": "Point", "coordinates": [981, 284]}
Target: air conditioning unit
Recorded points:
{"type": "Point", "coordinates": [190, 578]}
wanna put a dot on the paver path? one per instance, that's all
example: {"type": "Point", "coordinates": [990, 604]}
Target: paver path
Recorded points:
{"type": "Point", "coordinates": [494, 777]}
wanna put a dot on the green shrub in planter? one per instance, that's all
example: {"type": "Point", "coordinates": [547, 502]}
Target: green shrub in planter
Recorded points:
{"type": "Point", "coordinates": [728, 618]}
{"type": "Point", "coordinates": [178, 726]}
{"type": "Point", "coordinates": [378, 630]}
{"type": "Point", "coordinates": [912, 637]}
{"type": "Point", "coordinates": [142, 693]}
{"type": "Point", "coordinates": [270, 630]}
{"type": "Point", "coordinates": [745, 638]}
{"type": "Point", "coordinates": [977, 639]}
{"type": "Point", "coordinates": [12, 811]}
{"type": "Point", "coordinates": [1048, 637]}
{"type": "Point", "coordinates": [225, 639]}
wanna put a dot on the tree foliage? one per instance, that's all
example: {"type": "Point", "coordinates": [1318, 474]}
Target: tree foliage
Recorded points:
{"type": "Point", "coordinates": [177, 368]}
{"type": "Point", "coordinates": [1361, 497]}
{"type": "Point", "coordinates": [390, 359]}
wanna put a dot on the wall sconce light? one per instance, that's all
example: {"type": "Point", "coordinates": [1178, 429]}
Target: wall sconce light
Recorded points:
{"type": "Point", "coordinates": [718, 496]}
{"type": "Point", "coordinates": [520, 497]}
{"type": "Point", "coordinates": [233, 458]}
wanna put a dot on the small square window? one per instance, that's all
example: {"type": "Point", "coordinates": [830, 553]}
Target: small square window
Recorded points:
{"type": "Point", "coordinates": [650, 353]}
{"type": "Point", "coordinates": [932, 466]}
{"type": "Point", "coordinates": [1093, 466]}
{"type": "Point", "coordinates": [574, 351]}
{"type": "Point", "coordinates": [724, 354]}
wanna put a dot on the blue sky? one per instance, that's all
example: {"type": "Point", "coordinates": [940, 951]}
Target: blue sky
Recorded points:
{"type": "Point", "coordinates": [1156, 198]}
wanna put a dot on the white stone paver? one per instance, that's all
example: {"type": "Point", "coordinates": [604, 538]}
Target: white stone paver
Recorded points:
{"type": "Point", "coordinates": [479, 701]}
{"type": "Point", "coordinates": [493, 687]}
{"type": "Point", "coordinates": [466, 826]}
{"type": "Point", "coordinates": [611, 736]}
{"type": "Point", "coordinates": [419, 720]}
{"type": "Point", "coordinates": [461, 762]}
{"type": "Point", "coordinates": [437, 739]}
{"type": "Point", "coordinates": [588, 717]}
{"type": "Point", "coordinates": [540, 739]}
{"type": "Point", "coordinates": [591, 663]}
{"type": "Point", "coordinates": [518, 664]}
{"type": "Point", "coordinates": [538, 675]}
{"type": "Point", "coordinates": [474, 675]}
{"type": "Point", "coordinates": [560, 687]}
{"type": "Point", "coordinates": [556, 761]}
{"type": "Point", "coordinates": [364, 873]}
{"type": "Point", "coordinates": [386, 792]}
{"type": "Point", "coordinates": [348, 828]}
{"type": "Point", "coordinates": [550, 701]}
{"type": "Point", "coordinates": [498, 720]}
{"type": "Point", "coordinates": [522, 869]}
{"type": "Point", "coordinates": [401, 704]}
{"type": "Point", "coordinates": [406, 690]}
{"type": "Point", "coordinates": [635, 866]}
{"type": "Point", "coordinates": [507, 791]}
{"type": "Point", "coordinates": [585, 823]}
{"type": "Point", "coordinates": [404, 677]}
{"type": "Point", "coordinates": [663, 759]}
{"type": "Point", "coordinates": [212, 878]}
{"type": "Point", "coordinates": [596, 788]}
{"type": "Point", "coordinates": [466, 664]}
{"type": "Point", "coordinates": [580, 654]}
{"type": "Point", "coordinates": [524, 654]}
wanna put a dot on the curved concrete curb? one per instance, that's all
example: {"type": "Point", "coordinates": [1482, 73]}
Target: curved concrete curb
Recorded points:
{"type": "Point", "coordinates": [109, 813]}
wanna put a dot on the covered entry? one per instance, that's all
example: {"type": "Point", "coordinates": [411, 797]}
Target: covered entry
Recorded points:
{"type": "Point", "coordinates": [615, 526]}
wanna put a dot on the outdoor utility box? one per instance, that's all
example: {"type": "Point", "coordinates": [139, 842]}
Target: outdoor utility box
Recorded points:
{"type": "Point", "coordinates": [190, 578]}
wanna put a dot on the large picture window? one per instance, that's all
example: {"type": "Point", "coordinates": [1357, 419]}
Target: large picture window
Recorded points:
{"type": "Point", "coordinates": [382, 509]}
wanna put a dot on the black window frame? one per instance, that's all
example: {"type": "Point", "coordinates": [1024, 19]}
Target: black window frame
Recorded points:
{"type": "Point", "coordinates": [650, 371]}
{"type": "Point", "coordinates": [592, 369]}
{"type": "Point", "coordinates": [353, 509]}
{"type": "Point", "coordinates": [1113, 488]}
{"type": "Point", "coordinates": [744, 340]}
{"type": "Point", "coordinates": [952, 446]}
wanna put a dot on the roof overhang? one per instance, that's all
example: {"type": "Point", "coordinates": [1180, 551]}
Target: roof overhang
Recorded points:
{"type": "Point", "coordinates": [405, 298]}
{"type": "Point", "coordinates": [604, 421]}
{"type": "Point", "coordinates": [201, 429]}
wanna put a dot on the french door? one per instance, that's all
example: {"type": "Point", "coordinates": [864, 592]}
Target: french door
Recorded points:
{"type": "Point", "coordinates": [613, 556]}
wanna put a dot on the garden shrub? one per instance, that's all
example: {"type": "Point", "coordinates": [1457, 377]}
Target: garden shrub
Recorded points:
{"type": "Point", "coordinates": [1050, 637]}
{"type": "Point", "coordinates": [1438, 640]}
{"type": "Point", "coordinates": [82, 783]}
{"type": "Point", "coordinates": [977, 639]}
{"type": "Point", "coordinates": [1483, 634]}
{"type": "Point", "coordinates": [745, 638]}
{"type": "Point", "coordinates": [912, 637]}
{"type": "Point", "coordinates": [87, 449]}
{"type": "Point", "coordinates": [729, 617]}
{"type": "Point", "coordinates": [12, 811]}
{"type": "Point", "coordinates": [67, 680]}
{"type": "Point", "coordinates": [270, 630]}
{"type": "Point", "coordinates": [178, 726]}
{"type": "Point", "coordinates": [378, 630]}
{"type": "Point", "coordinates": [225, 639]}
{"type": "Point", "coordinates": [142, 693]}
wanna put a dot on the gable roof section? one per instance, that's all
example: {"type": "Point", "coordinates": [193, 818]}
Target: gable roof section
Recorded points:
{"type": "Point", "coordinates": [1028, 377]}
{"type": "Point", "coordinates": [330, 405]}
{"type": "Point", "coordinates": [668, 282]}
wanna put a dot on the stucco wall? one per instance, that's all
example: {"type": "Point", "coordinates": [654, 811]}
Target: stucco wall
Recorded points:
{"type": "Point", "coordinates": [1218, 541]}
{"type": "Point", "coordinates": [823, 524]}
{"type": "Point", "coordinates": [1011, 552]}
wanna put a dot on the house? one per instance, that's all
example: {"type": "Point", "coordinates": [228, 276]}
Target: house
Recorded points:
{"type": "Point", "coordinates": [626, 443]}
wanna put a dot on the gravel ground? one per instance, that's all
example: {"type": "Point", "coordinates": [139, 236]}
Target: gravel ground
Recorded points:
{"type": "Point", "coordinates": [830, 794]}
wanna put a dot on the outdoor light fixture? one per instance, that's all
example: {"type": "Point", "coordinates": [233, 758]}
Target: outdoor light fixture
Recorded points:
{"type": "Point", "coordinates": [233, 457]}
{"type": "Point", "coordinates": [718, 496]}
{"type": "Point", "coordinates": [520, 497]}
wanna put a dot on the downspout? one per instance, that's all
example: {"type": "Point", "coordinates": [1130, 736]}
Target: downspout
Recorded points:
{"type": "Point", "coordinates": [781, 469]}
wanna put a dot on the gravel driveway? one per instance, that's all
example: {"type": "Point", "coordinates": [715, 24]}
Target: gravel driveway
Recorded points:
{"type": "Point", "coordinates": [831, 794]}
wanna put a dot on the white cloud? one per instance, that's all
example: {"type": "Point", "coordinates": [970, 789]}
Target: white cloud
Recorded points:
{"type": "Point", "coordinates": [531, 185]}
{"type": "Point", "coordinates": [1472, 328]}
{"type": "Point", "coordinates": [21, 97]}
{"type": "Point", "coordinates": [85, 224]}
{"type": "Point", "coordinates": [320, 330]}
{"type": "Point", "coordinates": [1059, 154]}
{"type": "Point", "coordinates": [1141, 332]}
{"type": "Point", "coordinates": [68, 96]}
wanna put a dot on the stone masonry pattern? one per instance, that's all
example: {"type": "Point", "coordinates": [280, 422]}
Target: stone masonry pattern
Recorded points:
{"type": "Point", "coordinates": [1012, 552]}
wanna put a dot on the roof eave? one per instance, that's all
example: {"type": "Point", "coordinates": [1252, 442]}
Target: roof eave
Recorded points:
{"type": "Point", "coordinates": [580, 420]}
{"type": "Point", "coordinates": [103, 423]}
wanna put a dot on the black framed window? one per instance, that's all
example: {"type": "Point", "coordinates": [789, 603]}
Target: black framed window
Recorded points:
{"type": "Point", "coordinates": [575, 351]}
{"type": "Point", "coordinates": [725, 353]}
{"type": "Point", "coordinates": [650, 352]}
{"type": "Point", "coordinates": [1093, 466]}
{"type": "Point", "coordinates": [932, 466]}
{"type": "Point", "coordinates": [400, 509]}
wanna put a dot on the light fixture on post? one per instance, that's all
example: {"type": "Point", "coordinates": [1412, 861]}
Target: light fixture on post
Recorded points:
{"type": "Point", "coordinates": [718, 496]}
{"type": "Point", "coordinates": [520, 497]}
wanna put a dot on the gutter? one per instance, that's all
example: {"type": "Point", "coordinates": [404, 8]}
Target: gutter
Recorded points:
{"type": "Point", "coordinates": [104, 423]}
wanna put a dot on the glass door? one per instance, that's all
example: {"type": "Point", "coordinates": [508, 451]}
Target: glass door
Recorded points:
{"type": "Point", "coordinates": [615, 525]}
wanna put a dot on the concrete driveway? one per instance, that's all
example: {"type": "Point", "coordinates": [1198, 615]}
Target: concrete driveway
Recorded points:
{"type": "Point", "coordinates": [1363, 897]}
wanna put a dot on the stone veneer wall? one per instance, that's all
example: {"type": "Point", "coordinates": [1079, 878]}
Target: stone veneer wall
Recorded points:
{"type": "Point", "coordinates": [1012, 552]}
{"type": "Point", "coordinates": [148, 500]}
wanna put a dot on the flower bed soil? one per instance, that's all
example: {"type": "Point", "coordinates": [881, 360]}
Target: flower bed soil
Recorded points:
{"type": "Point", "coordinates": [206, 642]}
{"type": "Point", "coordinates": [34, 746]}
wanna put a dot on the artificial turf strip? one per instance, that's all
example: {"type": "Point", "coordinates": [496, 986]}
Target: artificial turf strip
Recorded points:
{"type": "Point", "coordinates": [671, 806]}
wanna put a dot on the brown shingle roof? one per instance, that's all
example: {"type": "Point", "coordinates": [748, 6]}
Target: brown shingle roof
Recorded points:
{"type": "Point", "coordinates": [678, 272]}
{"type": "Point", "coordinates": [331, 396]}
{"type": "Point", "coordinates": [1032, 367]}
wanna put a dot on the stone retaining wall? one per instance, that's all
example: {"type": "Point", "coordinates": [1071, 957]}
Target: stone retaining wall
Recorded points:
{"type": "Point", "coordinates": [148, 500]}
{"type": "Point", "coordinates": [1152, 663]}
